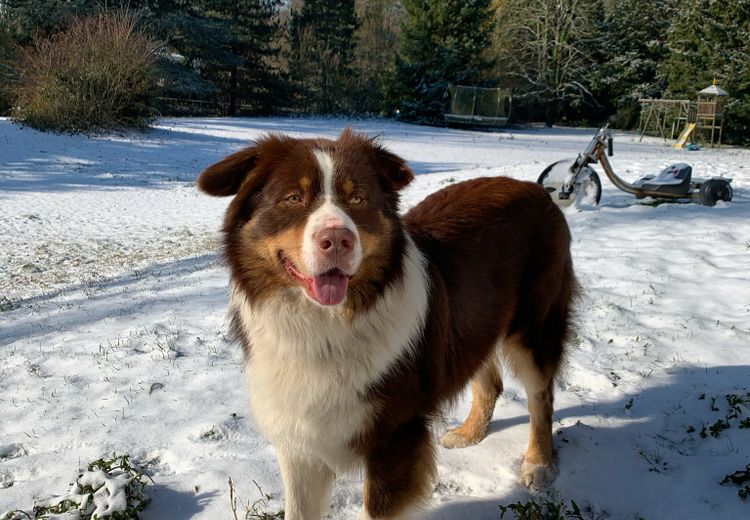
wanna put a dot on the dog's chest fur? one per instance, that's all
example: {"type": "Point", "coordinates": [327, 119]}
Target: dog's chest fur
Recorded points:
{"type": "Point", "coordinates": [310, 369]}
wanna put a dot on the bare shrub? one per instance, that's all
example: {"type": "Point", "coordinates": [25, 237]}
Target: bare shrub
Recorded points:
{"type": "Point", "coordinates": [97, 75]}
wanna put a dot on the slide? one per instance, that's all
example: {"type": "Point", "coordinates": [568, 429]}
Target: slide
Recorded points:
{"type": "Point", "coordinates": [685, 135]}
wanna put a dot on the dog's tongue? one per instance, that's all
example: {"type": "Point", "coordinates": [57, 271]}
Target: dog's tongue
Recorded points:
{"type": "Point", "coordinates": [330, 288]}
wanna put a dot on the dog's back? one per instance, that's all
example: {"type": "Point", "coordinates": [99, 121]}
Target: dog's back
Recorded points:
{"type": "Point", "coordinates": [499, 251]}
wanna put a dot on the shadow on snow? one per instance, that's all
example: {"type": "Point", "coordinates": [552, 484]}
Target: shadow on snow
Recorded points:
{"type": "Point", "coordinates": [646, 462]}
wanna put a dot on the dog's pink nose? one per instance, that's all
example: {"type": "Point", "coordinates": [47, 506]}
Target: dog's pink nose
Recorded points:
{"type": "Point", "coordinates": [335, 241]}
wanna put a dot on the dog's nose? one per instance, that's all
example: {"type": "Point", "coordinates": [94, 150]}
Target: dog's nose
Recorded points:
{"type": "Point", "coordinates": [335, 241]}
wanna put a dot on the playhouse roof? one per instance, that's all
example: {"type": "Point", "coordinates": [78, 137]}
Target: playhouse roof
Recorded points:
{"type": "Point", "coordinates": [714, 90]}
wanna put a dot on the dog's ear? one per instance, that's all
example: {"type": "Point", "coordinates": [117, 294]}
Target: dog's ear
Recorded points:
{"type": "Point", "coordinates": [397, 172]}
{"type": "Point", "coordinates": [393, 170]}
{"type": "Point", "coordinates": [226, 176]}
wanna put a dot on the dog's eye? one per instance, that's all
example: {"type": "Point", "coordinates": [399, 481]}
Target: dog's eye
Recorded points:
{"type": "Point", "coordinates": [294, 198]}
{"type": "Point", "coordinates": [355, 200]}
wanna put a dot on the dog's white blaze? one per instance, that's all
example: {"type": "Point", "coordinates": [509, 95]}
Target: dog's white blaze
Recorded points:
{"type": "Point", "coordinates": [310, 367]}
{"type": "Point", "coordinates": [327, 215]}
{"type": "Point", "coordinates": [325, 163]}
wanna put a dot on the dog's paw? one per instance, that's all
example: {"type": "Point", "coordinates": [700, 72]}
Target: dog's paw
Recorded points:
{"type": "Point", "coordinates": [537, 476]}
{"type": "Point", "coordinates": [459, 439]}
{"type": "Point", "coordinates": [453, 439]}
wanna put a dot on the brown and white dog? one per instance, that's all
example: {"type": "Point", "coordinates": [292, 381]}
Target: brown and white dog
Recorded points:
{"type": "Point", "coordinates": [359, 325]}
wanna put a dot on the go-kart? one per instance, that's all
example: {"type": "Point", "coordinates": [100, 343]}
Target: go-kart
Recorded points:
{"type": "Point", "coordinates": [567, 182]}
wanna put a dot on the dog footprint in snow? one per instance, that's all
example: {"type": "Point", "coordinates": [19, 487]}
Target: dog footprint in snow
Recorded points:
{"type": "Point", "coordinates": [450, 487]}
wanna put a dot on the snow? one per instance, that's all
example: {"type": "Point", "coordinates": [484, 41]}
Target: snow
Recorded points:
{"type": "Point", "coordinates": [112, 334]}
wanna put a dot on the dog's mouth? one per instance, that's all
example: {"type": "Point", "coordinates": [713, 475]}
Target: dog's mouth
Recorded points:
{"type": "Point", "coordinates": [328, 288]}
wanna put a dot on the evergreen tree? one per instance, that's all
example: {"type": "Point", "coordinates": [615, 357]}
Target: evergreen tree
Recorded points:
{"type": "Point", "coordinates": [220, 48]}
{"type": "Point", "coordinates": [441, 43]}
{"type": "Point", "coordinates": [321, 53]}
{"type": "Point", "coordinates": [26, 19]}
{"type": "Point", "coordinates": [189, 33]}
{"type": "Point", "coordinates": [633, 49]}
{"type": "Point", "coordinates": [243, 45]}
{"type": "Point", "coordinates": [711, 40]}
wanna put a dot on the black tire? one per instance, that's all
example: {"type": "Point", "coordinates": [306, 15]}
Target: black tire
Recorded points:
{"type": "Point", "coordinates": [587, 190]}
{"type": "Point", "coordinates": [714, 190]}
{"type": "Point", "coordinates": [543, 176]}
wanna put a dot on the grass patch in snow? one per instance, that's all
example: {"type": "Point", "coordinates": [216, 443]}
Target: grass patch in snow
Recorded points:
{"type": "Point", "coordinates": [257, 510]}
{"type": "Point", "coordinates": [547, 508]}
{"type": "Point", "coordinates": [6, 304]}
{"type": "Point", "coordinates": [737, 404]}
{"type": "Point", "coordinates": [741, 478]}
{"type": "Point", "coordinates": [655, 460]}
{"type": "Point", "coordinates": [109, 488]}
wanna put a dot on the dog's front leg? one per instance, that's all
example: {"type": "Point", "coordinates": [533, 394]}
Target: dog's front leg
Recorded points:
{"type": "Point", "coordinates": [400, 474]}
{"type": "Point", "coordinates": [307, 484]}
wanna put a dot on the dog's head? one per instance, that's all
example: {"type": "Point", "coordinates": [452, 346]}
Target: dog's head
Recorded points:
{"type": "Point", "coordinates": [317, 216]}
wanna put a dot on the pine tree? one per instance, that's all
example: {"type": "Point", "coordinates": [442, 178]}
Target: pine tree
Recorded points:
{"type": "Point", "coordinates": [441, 43]}
{"type": "Point", "coordinates": [224, 50]}
{"type": "Point", "coordinates": [27, 19]}
{"type": "Point", "coordinates": [634, 47]}
{"type": "Point", "coordinates": [321, 53]}
{"type": "Point", "coordinates": [243, 45]}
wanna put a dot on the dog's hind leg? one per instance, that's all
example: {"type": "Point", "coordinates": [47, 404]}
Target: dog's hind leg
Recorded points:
{"type": "Point", "coordinates": [307, 485]}
{"type": "Point", "coordinates": [537, 469]}
{"type": "Point", "coordinates": [486, 387]}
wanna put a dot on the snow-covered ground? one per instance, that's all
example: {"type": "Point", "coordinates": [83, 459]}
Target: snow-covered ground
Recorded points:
{"type": "Point", "coordinates": [112, 326]}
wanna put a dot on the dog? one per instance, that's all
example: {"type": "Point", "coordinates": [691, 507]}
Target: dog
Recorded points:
{"type": "Point", "coordinates": [360, 325]}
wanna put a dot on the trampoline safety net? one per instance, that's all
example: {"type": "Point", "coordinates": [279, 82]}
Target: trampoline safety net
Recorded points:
{"type": "Point", "coordinates": [474, 105]}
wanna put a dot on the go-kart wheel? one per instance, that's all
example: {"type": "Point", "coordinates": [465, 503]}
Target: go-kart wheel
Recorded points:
{"type": "Point", "coordinates": [714, 190]}
{"type": "Point", "coordinates": [587, 189]}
